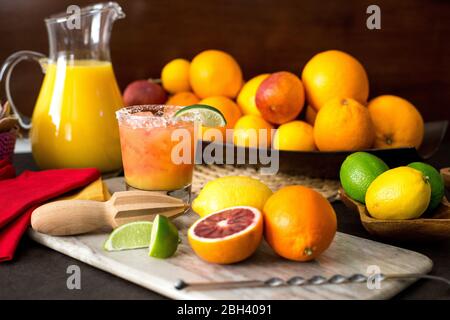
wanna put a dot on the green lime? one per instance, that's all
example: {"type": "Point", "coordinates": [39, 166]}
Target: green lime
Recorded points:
{"type": "Point", "coordinates": [436, 182]}
{"type": "Point", "coordinates": [209, 116]}
{"type": "Point", "coordinates": [164, 240]}
{"type": "Point", "coordinates": [358, 171]}
{"type": "Point", "coordinates": [132, 235]}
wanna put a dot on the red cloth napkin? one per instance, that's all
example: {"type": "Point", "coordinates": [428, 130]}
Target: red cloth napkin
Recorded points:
{"type": "Point", "coordinates": [19, 196]}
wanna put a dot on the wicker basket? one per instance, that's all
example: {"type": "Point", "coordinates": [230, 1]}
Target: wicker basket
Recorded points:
{"type": "Point", "coordinates": [204, 173]}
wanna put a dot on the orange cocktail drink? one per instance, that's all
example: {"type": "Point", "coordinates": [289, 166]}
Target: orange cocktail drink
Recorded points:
{"type": "Point", "coordinates": [157, 148]}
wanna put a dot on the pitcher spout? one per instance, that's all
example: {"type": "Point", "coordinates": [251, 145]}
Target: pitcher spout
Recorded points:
{"type": "Point", "coordinates": [116, 9]}
{"type": "Point", "coordinates": [73, 12]}
{"type": "Point", "coordinates": [82, 33]}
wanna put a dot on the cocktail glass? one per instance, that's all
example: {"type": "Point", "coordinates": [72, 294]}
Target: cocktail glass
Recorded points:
{"type": "Point", "coordinates": [158, 150]}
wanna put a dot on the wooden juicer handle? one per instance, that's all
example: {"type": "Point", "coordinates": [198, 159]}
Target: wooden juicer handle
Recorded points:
{"type": "Point", "coordinates": [69, 217]}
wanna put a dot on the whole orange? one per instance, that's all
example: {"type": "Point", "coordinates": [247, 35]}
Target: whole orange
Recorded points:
{"type": "Point", "coordinates": [175, 76]}
{"type": "Point", "coordinates": [397, 122]}
{"type": "Point", "coordinates": [280, 97]}
{"type": "Point", "coordinates": [215, 73]}
{"type": "Point", "coordinates": [311, 115]}
{"type": "Point", "coordinates": [334, 74]}
{"type": "Point", "coordinates": [184, 98]}
{"type": "Point", "coordinates": [230, 111]}
{"type": "Point", "coordinates": [250, 130]}
{"type": "Point", "coordinates": [299, 223]}
{"type": "Point", "coordinates": [295, 136]}
{"type": "Point", "coordinates": [228, 107]}
{"type": "Point", "coordinates": [343, 124]}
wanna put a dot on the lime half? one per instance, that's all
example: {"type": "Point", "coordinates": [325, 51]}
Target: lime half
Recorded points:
{"type": "Point", "coordinates": [164, 238]}
{"type": "Point", "coordinates": [132, 235]}
{"type": "Point", "coordinates": [209, 116]}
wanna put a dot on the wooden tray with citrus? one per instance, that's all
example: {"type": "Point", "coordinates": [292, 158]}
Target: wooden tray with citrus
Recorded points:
{"type": "Point", "coordinates": [405, 203]}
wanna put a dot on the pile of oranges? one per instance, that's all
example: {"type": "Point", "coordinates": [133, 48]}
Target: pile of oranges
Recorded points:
{"type": "Point", "coordinates": [325, 107]}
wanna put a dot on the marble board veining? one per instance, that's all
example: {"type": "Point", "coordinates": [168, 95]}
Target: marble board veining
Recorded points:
{"type": "Point", "coordinates": [347, 255]}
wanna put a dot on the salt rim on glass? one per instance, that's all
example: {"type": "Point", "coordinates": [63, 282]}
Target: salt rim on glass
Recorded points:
{"type": "Point", "coordinates": [153, 116]}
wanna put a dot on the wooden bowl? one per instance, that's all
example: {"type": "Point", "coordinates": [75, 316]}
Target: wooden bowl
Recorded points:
{"type": "Point", "coordinates": [445, 173]}
{"type": "Point", "coordinates": [430, 227]}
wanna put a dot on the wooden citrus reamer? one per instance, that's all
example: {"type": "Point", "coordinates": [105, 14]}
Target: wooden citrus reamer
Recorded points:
{"type": "Point", "coordinates": [70, 217]}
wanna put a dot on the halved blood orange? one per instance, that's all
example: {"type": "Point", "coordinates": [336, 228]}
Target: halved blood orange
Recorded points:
{"type": "Point", "coordinates": [227, 236]}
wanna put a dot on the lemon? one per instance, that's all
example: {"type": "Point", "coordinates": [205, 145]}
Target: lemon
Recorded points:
{"type": "Point", "coordinates": [231, 191]}
{"type": "Point", "coordinates": [246, 97]}
{"type": "Point", "coordinates": [253, 132]}
{"type": "Point", "coordinates": [400, 193]}
{"type": "Point", "coordinates": [295, 136]}
{"type": "Point", "coordinates": [175, 76]}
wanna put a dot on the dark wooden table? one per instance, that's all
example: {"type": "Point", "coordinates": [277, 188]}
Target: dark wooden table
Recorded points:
{"type": "Point", "coordinates": [40, 273]}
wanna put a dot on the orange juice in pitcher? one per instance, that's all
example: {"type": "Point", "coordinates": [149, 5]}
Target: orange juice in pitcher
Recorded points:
{"type": "Point", "coordinates": [74, 120]}
{"type": "Point", "coordinates": [73, 123]}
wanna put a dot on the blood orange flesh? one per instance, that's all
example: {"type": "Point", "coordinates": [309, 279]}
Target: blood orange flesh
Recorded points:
{"type": "Point", "coordinates": [227, 236]}
{"type": "Point", "coordinates": [225, 223]}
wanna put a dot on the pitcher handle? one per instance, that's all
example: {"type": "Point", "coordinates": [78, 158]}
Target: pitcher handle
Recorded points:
{"type": "Point", "coordinates": [5, 73]}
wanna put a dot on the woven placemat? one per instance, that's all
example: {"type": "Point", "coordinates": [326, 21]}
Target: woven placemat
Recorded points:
{"type": "Point", "coordinates": [205, 173]}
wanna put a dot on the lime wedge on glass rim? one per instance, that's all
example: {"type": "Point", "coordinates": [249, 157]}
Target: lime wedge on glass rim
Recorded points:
{"type": "Point", "coordinates": [133, 235]}
{"type": "Point", "coordinates": [209, 116]}
{"type": "Point", "coordinates": [164, 238]}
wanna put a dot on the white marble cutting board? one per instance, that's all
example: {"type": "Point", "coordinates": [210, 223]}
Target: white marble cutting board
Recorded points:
{"type": "Point", "coordinates": [347, 255]}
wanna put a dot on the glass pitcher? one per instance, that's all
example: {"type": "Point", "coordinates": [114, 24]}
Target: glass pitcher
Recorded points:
{"type": "Point", "coordinates": [73, 123]}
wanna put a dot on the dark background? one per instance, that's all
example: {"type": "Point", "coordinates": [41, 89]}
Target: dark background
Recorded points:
{"type": "Point", "coordinates": [409, 56]}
